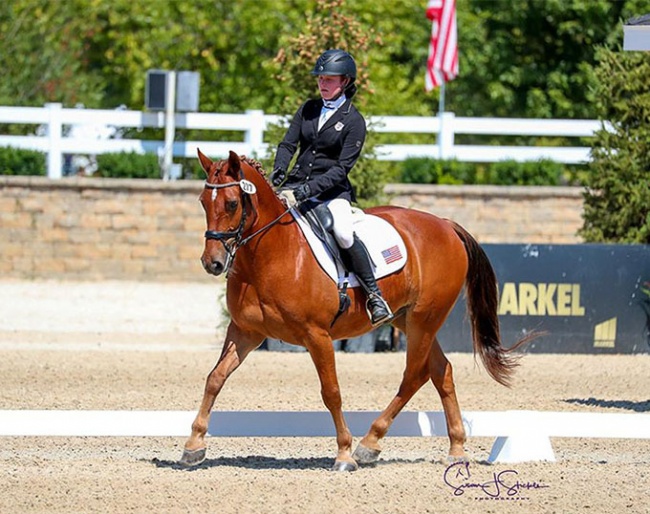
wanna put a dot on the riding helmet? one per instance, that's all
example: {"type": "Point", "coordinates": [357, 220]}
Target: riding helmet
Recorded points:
{"type": "Point", "coordinates": [336, 62]}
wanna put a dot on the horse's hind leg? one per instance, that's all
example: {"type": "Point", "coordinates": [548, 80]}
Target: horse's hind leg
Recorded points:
{"type": "Point", "coordinates": [235, 349]}
{"type": "Point", "coordinates": [415, 376]}
{"type": "Point", "coordinates": [443, 380]}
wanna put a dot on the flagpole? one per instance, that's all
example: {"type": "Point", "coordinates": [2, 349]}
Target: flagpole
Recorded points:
{"type": "Point", "coordinates": [441, 111]}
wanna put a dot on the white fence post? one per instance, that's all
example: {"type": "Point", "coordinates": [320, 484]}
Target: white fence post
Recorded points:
{"type": "Point", "coordinates": [255, 133]}
{"type": "Point", "coordinates": [170, 124]}
{"type": "Point", "coordinates": [446, 135]}
{"type": "Point", "coordinates": [54, 129]}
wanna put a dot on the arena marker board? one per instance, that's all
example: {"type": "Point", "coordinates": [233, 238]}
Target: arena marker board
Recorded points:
{"type": "Point", "coordinates": [521, 436]}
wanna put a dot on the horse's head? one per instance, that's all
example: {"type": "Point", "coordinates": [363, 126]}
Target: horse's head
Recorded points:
{"type": "Point", "coordinates": [230, 209]}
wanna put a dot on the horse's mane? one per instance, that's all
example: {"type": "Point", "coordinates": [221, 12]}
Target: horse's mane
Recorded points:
{"type": "Point", "coordinates": [253, 163]}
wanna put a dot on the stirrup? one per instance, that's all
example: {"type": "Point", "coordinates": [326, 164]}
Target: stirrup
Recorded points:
{"type": "Point", "coordinates": [385, 316]}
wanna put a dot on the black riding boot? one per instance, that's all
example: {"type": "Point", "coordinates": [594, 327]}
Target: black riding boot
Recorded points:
{"type": "Point", "coordinates": [362, 267]}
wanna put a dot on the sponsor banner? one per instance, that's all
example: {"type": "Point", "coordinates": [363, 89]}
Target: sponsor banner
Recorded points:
{"type": "Point", "coordinates": [590, 298]}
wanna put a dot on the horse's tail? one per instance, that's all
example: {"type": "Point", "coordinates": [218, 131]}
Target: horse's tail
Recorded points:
{"type": "Point", "coordinates": [482, 304]}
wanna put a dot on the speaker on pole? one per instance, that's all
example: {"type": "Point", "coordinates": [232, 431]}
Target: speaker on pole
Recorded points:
{"type": "Point", "coordinates": [156, 90]}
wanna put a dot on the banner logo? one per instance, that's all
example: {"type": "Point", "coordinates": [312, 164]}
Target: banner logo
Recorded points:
{"type": "Point", "coordinates": [552, 299]}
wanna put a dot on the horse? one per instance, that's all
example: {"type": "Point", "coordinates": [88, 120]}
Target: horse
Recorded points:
{"type": "Point", "coordinates": [276, 289]}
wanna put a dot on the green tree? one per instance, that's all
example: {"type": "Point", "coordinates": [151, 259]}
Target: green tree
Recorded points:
{"type": "Point", "coordinates": [226, 42]}
{"type": "Point", "coordinates": [44, 54]}
{"type": "Point", "coordinates": [529, 59]}
{"type": "Point", "coordinates": [532, 58]}
{"type": "Point", "coordinates": [617, 200]}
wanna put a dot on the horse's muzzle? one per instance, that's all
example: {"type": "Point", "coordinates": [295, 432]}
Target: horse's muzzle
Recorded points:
{"type": "Point", "coordinates": [213, 266]}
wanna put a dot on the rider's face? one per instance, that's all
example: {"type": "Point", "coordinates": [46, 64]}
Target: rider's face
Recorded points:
{"type": "Point", "coordinates": [331, 86]}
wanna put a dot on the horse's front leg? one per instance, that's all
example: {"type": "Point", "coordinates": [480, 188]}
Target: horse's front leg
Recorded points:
{"type": "Point", "coordinates": [322, 354]}
{"type": "Point", "coordinates": [237, 346]}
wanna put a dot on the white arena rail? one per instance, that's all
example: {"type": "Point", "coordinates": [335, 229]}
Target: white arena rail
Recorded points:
{"type": "Point", "coordinates": [62, 131]}
{"type": "Point", "coordinates": [521, 436]}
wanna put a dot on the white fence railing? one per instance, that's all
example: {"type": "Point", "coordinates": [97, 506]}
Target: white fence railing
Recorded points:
{"type": "Point", "coordinates": [88, 131]}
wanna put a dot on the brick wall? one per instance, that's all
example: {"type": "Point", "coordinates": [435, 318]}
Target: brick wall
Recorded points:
{"type": "Point", "coordinates": [103, 229]}
{"type": "Point", "coordinates": [501, 214]}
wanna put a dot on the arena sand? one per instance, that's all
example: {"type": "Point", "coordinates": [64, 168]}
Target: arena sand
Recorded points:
{"type": "Point", "coordinates": [142, 346]}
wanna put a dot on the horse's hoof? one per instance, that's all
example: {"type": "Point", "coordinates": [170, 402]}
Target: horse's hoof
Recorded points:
{"type": "Point", "coordinates": [192, 457]}
{"type": "Point", "coordinates": [366, 456]}
{"type": "Point", "coordinates": [451, 459]}
{"type": "Point", "coordinates": [341, 465]}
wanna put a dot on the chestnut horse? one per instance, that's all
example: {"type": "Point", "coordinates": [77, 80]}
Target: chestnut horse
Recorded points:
{"type": "Point", "coordinates": [276, 289]}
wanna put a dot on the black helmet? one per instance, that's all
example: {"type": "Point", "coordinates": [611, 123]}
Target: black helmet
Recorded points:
{"type": "Point", "coordinates": [336, 62]}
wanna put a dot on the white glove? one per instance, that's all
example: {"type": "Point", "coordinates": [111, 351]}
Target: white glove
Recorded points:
{"type": "Point", "coordinates": [288, 197]}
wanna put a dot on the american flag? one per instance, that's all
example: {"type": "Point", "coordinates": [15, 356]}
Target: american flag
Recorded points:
{"type": "Point", "coordinates": [442, 64]}
{"type": "Point", "coordinates": [391, 254]}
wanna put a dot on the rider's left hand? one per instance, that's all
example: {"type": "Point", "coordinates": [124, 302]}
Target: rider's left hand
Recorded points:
{"type": "Point", "coordinates": [288, 197]}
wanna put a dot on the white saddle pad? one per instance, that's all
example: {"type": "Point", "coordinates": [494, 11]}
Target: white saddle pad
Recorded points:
{"type": "Point", "coordinates": [385, 245]}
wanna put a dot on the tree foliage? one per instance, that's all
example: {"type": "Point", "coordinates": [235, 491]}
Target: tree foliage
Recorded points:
{"type": "Point", "coordinates": [529, 59]}
{"type": "Point", "coordinates": [330, 25]}
{"type": "Point", "coordinates": [45, 55]}
{"type": "Point", "coordinates": [617, 201]}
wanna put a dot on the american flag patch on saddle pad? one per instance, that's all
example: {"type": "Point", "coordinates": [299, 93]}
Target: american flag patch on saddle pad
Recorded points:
{"type": "Point", "coordinates": [391, 254]}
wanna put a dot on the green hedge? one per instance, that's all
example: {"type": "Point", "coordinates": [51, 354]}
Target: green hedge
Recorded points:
{"type": "Point", "coordinates": [411, 171]}
{"type": "Point", "coordinates": [15, 161]}
{"type": "Point", "coordinates": [422, 170]}
{"type": "Point", "coordinates": [530, 173]}
{"type": "Point", "coordinates": [128, 165]}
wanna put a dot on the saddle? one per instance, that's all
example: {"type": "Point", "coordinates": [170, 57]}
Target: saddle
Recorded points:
{"type": "Point", "coordinates": [383, 243]}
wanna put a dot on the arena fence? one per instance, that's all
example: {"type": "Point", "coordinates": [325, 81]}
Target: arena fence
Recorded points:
{"type": "Point", "coordinates": [521, 436]}
{"type": "Point", "coordinates": [94, 131]}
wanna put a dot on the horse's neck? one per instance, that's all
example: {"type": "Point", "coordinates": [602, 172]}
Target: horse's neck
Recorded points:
{"type": "Point", "coordinates": [269, 208]}
{"type": "Point", "coordinates": [279, 232]}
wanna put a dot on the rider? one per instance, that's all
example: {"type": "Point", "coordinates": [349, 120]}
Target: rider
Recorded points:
{"type": "Point", "coordinates": [329, 134]}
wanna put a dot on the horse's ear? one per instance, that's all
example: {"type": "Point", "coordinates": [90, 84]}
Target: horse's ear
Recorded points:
{"type": "Point", "coordinates": [234, 164]}
{"type": "Point", "coordinates": [205, 162]}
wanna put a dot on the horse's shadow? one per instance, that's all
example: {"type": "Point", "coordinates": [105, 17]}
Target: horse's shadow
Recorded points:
{"type": "Point", "coordinates": [250, 462]}
{"type": "Point", "coordinates": [640, 406]}
{"type": "Point", "coordinates": [264, 462]}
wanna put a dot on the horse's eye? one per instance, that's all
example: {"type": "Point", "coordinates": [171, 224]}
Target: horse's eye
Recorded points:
{"type": "Point", "coordinates": [231, 205]}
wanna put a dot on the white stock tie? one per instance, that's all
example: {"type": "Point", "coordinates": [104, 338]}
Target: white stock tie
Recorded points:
{"type": "Point", "coordinates": [327, 110]}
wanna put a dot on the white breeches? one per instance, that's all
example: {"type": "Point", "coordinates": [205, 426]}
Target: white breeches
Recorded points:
{"type": "Point", "coordinates": [342, 214]}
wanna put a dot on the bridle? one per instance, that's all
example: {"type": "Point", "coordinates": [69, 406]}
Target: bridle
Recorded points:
{"type": "Point", "coordinates": [233, 240]}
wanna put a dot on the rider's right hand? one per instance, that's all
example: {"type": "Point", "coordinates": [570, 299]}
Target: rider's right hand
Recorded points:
{"type": "Point", "coordinates": [278, 176]}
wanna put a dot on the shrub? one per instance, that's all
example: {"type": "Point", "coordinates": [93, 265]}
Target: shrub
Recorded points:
{"type": "Point", "coordinates": [617, 201]}
{"type": "Point", "coordinates": [128, 165]}
{"type": "Point", "coordinates": [422, 170]}
{"type": "Point", "coordinates": [16, 161]}
{"type": "Point", "coordinates": [530, 173]}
